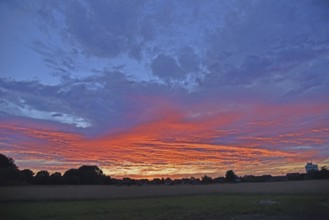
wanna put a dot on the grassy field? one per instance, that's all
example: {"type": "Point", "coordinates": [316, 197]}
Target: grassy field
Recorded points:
{"type": "Point", "coordinates": [280, 200]}
{"type": "Point", "coordinates": [47, 193]}
{"type": "Point", "coordinates": [220, 206]}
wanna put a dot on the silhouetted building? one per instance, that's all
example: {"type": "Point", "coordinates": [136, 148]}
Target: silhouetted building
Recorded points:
{"type": "Point", "coordinates": [310, 167]}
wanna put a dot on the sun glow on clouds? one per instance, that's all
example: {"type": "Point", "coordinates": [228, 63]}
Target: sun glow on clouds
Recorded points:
{"type": "Point", "coordinates": [252, 139]}
{"type": "Point", "coordinates": [25, 110]}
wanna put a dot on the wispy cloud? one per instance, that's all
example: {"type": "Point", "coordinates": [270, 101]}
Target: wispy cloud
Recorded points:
{"type": "Point", "coordinates": [174, 143]}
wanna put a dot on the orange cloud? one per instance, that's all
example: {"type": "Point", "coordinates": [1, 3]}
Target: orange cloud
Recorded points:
{"type": "Point", "coordinates": [181, 143]}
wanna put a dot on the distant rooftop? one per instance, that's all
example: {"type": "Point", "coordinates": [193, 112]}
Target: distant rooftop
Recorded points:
{"type": "Point", "coordinates": [310, 166]}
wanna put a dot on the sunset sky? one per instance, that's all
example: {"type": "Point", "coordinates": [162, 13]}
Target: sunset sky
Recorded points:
{"type": "Point", "coordinates": [165, 88]}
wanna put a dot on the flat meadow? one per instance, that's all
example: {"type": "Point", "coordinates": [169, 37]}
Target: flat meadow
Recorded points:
{"type": "Point", "coordinates": [272, 200]}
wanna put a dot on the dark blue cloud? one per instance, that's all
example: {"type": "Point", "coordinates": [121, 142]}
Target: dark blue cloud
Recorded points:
{"type": "Point", "coordinates": [106, 50]}
{"type": "Point", "coordinates": [189, 61]}
{"type": "Point", "coordinates": [166, 67]}
{"type": "Point", "coordinates": [226, 43]}
{"type": "Point", "coordinates": [106, 29]}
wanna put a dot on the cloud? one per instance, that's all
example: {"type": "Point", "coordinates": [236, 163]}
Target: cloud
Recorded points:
{"type": "Point", "coordinates": [106, 29]}
{"type": "Point", "coordinates": [100, 101]}
{"type": "Point", "coordinates": [118, 149]}
{"type": "Point", "coordinates": [186, 44]}
{"type": "Point", "coordinates": [182, 140]}
{"type": "Point", "coordinates": [29, 112]}
{"type": "Point", "coordinates": [24, 100]}
{"type": "Point", "coordinates": [257, 46]}
{"type": "Point", "coordinates": [166, 67]}
{"type": "Point", "coordinates": [189, 60]}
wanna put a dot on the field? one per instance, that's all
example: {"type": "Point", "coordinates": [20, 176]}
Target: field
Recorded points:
{"type": "Point", "coordinates": [281, 200]}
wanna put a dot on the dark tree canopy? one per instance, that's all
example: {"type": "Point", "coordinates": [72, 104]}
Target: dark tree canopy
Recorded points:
{"type": "Point", "coordinates": [85, 175]}
{"type": "Point", "coordinates": [56, 178]}
{"type": "Point", "coordinates": [9, 173]}
{"type": "Point", "coordinates": [27, 175]}
{"type": "Point", "coordinates": [71, 173]}
{"type": "Point", "coordinates": [7, 162]}
{"type": "Point", "coordinates": [206, 180]}
{"type": "Point", "coordinates": [230, 176]}
{"type": "Point", "coordinates": [90, 174]}
{"type": "Point", "coordinates": [72, 176]}
{"type": "Point", "coordinates": [42, 177]}
{"type": "Point", "coordinates": [94, 170]}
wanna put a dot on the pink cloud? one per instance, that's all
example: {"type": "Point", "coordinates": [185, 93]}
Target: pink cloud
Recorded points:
{"type": "Point", "coordinates": [174, 142]}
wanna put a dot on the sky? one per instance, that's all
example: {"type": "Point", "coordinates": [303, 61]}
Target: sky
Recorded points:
{"type": "Point", "coordinates": [165, 88]}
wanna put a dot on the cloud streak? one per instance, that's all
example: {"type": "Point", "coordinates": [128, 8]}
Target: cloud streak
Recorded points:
{"type": "Point", "coordinates": [179, 144]}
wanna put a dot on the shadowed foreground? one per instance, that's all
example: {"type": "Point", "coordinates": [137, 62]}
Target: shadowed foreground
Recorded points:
{"type": "Point", "coordinates": [275, 200]}
{"type": "Point", "coordinates": [225, 206]}
{"type": "Point", "coordinates": [95, 192]}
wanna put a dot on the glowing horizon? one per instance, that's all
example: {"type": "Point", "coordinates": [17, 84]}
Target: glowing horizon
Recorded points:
{"type": "Point", "coordinates": [180, 144]}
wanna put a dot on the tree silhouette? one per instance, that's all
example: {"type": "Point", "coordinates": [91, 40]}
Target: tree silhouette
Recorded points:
{"type": "Point", "coordinates": [7, 162]}
{"type": "Point", "coordinates": [324, 173]}
{"type": "Point", "coordinates": [9, 172]}
{"type": "Point", "coordinates": [230, 176]}
{"type": "Point", "coordinates": [27, 175]}
{"type": "Point", "coordinates": [42, 177]}
{"type": "Point", "coordinates": [85, 175]}
{"type": "Point", "coordinates": [56, 178]}
{"type": "Point", "coordinates": [206, 180]}
{"type": "Point", "coordinates": [168, 181]}
{"type": "Point", "coordinates": [72, 176]}
{"type": "Point", "coordinates": [90, 174]}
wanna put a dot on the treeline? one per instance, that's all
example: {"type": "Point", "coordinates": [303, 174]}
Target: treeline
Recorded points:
{"type": "Point", "coordinates": [11, 175]}
{"type": "Point", "coordinates": [93, 175]}
{"type": "Point", "coordinates": [84, 175]}
{"type": "Point", "coordinates": [321, 174]}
